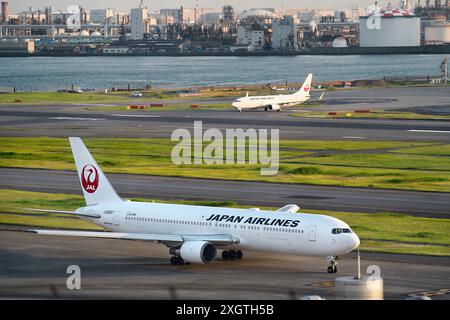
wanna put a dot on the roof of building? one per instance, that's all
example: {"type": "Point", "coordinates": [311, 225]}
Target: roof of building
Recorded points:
{"type": "Point", "coordinates": [392, 13]}
{"type": "Point", "coordinates": [257, 13]}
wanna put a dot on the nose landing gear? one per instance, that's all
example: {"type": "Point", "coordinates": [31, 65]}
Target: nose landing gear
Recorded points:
{"type": "Point", "coordinates": [332, 267]}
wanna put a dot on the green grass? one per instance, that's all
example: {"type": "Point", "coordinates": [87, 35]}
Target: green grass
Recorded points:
{"type": "Point", "coordinates": [379, 232]}
{"type": "Point", "coordinates": [374, 114]}
{"type": "Point", "coordinates": [100, 97]}
{"type": "Point", "coordinates": [166, 107]}
{"type": "Point", "coordinates": [441, 150]}
{"type": "Point", "coordinates": [388, 161]}
{"type": "Point", "coordinates": [349, 163]}
{"type": "Point", "coordinates": [59, 97]}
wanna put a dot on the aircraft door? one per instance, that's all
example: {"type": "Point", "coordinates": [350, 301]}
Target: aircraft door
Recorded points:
{"type": "Point", "coordinates": [116, 218]}
{"type": "Point", "coordinates": [312, 233]}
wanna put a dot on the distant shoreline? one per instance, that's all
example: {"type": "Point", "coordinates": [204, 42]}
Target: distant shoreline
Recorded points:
{"type": "Point", "coordinates": [435, 49]}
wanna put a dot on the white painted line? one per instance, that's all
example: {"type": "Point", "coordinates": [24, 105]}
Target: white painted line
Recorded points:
{"type": "Point", "coordinates": [75, 118]}
{"type": "Point", "coordinates": [350, 137]}
{"type": "Point", "coordinates": [135, 116]}
{"type": "Point", "coordinates": [429, 131]}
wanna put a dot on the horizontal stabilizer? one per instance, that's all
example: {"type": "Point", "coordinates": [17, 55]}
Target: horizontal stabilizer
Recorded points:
{"type": "Point", "coordinates": [289, 208]}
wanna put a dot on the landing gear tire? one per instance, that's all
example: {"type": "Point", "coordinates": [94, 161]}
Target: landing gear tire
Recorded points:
{"type": "Point", "coordinates": [332, 268]}
{"type": "Point", "coordinates": [177, 261]}
{"type": "Point", "coordinates": [239, 254]}
{"type": "Point", "coordinates": [266, 109]}
{"type": "Point", "coordinates": [226, 255]}
{"type": "Point", "coordinates": [174, 261]}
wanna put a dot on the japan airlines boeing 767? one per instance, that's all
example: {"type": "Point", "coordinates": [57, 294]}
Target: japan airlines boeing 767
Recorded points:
{"type": "Point", "coordinates": [194, 233]}
{"type": "Point", "coordinates": [276, 102]}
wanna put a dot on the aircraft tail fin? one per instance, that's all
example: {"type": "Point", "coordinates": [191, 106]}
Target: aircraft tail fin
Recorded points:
{"type": "Point", "coordinates": [96, 187]}
{"type": "Point", "coordinates": [306, 87]}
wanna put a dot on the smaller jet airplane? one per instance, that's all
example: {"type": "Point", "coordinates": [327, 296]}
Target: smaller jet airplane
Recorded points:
{"type": "Point", "coordinates": [276, 102]}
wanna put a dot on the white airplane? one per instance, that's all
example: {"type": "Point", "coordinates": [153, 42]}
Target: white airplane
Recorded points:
{"type": "Point", "coordinates": [194, 233]}
{"type": "Point", "coordinates": [275, 102]}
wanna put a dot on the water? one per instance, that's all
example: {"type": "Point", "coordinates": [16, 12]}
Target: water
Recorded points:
{"type": "Point", "coordinates": [53, 73]}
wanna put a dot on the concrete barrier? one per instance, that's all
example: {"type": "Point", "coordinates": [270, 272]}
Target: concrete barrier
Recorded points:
{"type": "Point", "coordinates": [366, 288]}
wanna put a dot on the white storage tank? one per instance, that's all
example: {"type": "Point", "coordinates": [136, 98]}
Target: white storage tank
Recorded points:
{"type": "Point", "coordinates": [390, 28]}
{"type": "Point", "coordinates": [437, 33]}
{"type": "Point", "coordinates": [339, 42]}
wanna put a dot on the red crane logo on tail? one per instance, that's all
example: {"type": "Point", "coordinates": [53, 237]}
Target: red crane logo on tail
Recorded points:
{"type": "Point", "coordinates": [307, 89]}
{"type": "Point", "coordinates": [89, 178]}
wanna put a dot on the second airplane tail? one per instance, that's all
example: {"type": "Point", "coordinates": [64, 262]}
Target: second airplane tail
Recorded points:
{"type": "Point", "coordinates": [95, 185]}
{"type": "Point", "coordinates": [306, 87]}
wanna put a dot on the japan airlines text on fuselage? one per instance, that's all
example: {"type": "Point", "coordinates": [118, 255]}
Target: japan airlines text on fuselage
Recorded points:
{"type": "Point", "coordinates": [194, 233]}
{"type": "Point", "coordinates": [275, 102]}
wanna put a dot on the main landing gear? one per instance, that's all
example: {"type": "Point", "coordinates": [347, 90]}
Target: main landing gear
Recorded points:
{"type": "Point", "coordinates": [332, 267]}
{"type": "Point", "coordinates": [232, 254]}
{"type": "Point", "coordinates": [178, 261]}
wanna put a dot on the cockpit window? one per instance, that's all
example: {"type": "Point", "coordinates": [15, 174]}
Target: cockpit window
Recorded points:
{"type": "Point", "coordinates": [340, 230]}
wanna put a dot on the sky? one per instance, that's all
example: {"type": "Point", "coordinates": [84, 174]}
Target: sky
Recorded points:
{"type": "Point", "coordinates": [16, 6]}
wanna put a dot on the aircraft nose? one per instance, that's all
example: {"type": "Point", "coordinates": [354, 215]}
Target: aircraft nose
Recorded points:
{"type": "Point", "coordinates": [353, 241]}
{"type": "Point", "coordinates": [234, 104]}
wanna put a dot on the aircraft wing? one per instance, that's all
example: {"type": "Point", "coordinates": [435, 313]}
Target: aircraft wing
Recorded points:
{"type": "Point", "coordinates": [81, 214]}
{"type": "Point", "coordinates": [217, 239]}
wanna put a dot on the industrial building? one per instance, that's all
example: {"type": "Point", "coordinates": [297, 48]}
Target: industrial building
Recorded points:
{"type": "Point", "coordinates": [257, 31]}
{"type": "Point", "coordinates": [437, 33]}
{"type": "Point", "coordinates": [16, 48]}
{"type": "Point", "coordinates": [390, 28]}
{"type": "Point", "coordinates": [101, 16]}
{"type": "Point", "coordinates": [284, 34]}
{"type": "Point", "coordinates": [139, 25]}
{"type": "Point", "coordinates": [4, 16]}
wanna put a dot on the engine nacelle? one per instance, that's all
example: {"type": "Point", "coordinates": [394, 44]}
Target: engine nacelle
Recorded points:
{"type": "Point", "coordinates": [197, 251]}
{"type": "Point", "coordinates": [274, 107]}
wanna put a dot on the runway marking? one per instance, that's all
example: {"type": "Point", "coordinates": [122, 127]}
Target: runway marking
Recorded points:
{"type": "Point", "coordinates": [293, 131]}
{"type": "Point", "coordinates": [429, 131]}
{"type": "Point", "coordinates": [135, 116]}
{"type": "Point", "coordinates": [350, 137]}
{"type": "Point", "coordinates": [432, 293]}
{"type": "Point", "coordinates": [75, 118]}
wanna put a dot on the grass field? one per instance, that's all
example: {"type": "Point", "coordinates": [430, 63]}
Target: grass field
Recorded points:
{"type": "Point", "coordinates": [167, 107]}
{"type": "Point", "coordinates": [98, 97]}
{"type": "Point", "coordinates": [380, 232]}
{"type": "Point", "coordinates": [377, 164]}
{"type": "Point", "coordinates": [374, 114]}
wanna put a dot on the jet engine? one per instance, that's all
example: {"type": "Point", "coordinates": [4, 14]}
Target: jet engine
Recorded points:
{"type": "Point", "coordinates": [196, 251]}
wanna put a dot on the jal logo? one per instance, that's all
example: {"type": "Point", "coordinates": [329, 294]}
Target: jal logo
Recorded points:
{"type": "Point", "coordinates": [306, 89]}
{"type": "Point", "coordinates": [89, 178]}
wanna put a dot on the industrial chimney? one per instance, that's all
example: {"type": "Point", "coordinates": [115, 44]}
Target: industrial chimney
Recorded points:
{"type": "Point", "coordinates": [4, 11]}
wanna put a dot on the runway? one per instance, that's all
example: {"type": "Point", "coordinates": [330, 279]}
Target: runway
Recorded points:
{"type": "Point", "coordinates": [34, 266]}
{"type": "Point", "coordinates": [424, 204]}
{"type": "Point", "coordinates": [87, 121]}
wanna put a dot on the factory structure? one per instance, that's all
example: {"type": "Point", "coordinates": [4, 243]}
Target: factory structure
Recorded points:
{"type": "Point", "coordinates": [390, 28]}
{"type": "Point", "coordinates": [417, 25]}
